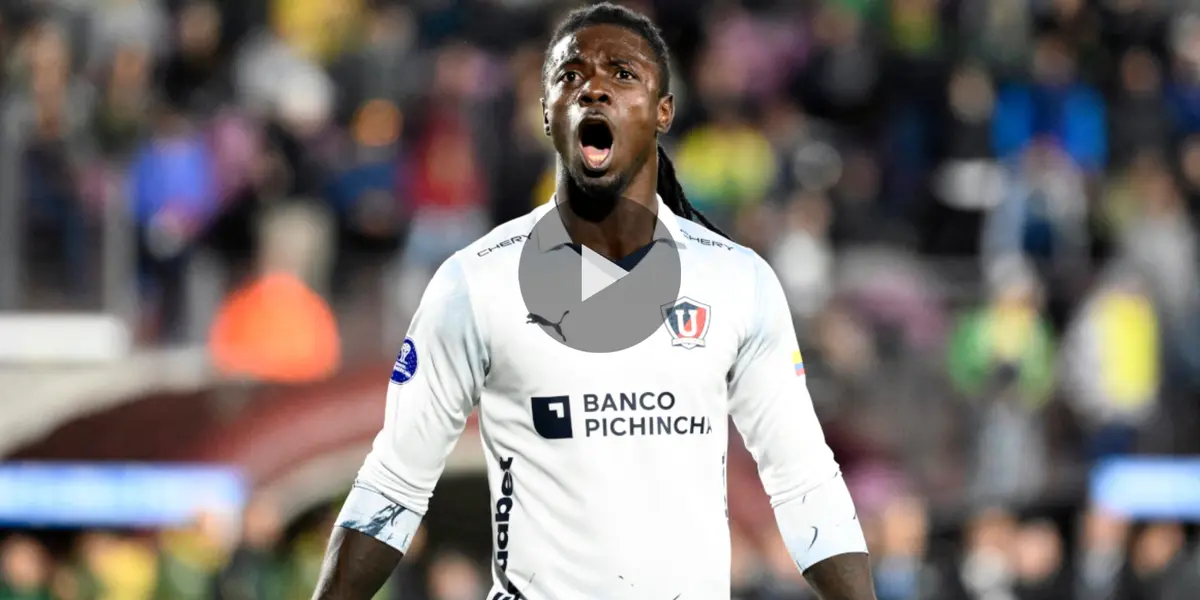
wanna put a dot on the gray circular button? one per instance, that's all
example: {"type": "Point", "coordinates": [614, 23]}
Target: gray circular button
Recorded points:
{"type": "Point", "coordinates": [588, 302]}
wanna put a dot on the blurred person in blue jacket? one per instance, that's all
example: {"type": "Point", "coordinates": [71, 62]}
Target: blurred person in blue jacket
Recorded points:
{"type": "Point", "coordinates": [1055, 105]}
{"type": "Point", "coordinates": [173, 194]}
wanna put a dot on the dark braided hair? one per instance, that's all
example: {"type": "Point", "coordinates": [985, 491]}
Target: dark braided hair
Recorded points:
{"type": "Point", "coordinates": [606, 13]}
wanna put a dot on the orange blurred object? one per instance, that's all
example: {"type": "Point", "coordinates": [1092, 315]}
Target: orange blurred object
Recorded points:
{"type": "Point", "coordinates": [276, 329]}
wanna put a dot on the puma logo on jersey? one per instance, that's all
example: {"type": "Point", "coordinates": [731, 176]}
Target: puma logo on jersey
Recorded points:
{"type": "Point", "coordinates": [544, 322]}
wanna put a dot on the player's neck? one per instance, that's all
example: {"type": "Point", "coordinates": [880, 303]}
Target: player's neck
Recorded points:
{"type": "Point", "coordinates": [612, 227]}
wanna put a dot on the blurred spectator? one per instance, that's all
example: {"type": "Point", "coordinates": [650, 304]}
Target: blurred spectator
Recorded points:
{"type": "Point", "coordinates": [1184, 88]}
{"type": "Point", "coordinates": [47, 117]}
{"type": "Point", "coordinates": [898, 295]}
{"type": "Point", "coordinates": [1139, 119]}
{"type": "Point", "coordinates": [915, 27]}
{"type": "Point", "coordinates": [316, 29]}
{"type": "Point", "coordinates": [804, 149]}
{"type": "Point", "coordinates": [254, 571]}
{"type": "Point", "coordinates": [1101, 555]}
{"type": "Point", "coordinates": [1001, 359]}
{"type": "Point", "coordinates": [275, 327]}
{"type": "Point", "coordinates": [1038, 562]}
{"type": "Point", "coordinates": [970, 101]}
{"type": "Point", "coordinates": [174, 198]}
{"type": "Point", "coordinates": [847, 349]}
{"type": "Point", "coordinates": [24, 570]}
{"type": "Point", "coordinates": [118, 568]}
{"type": "Point", "coordinates": [841, 76]}
{"type": "Point", "coordinates": [448, 192]}
{"type": "Point", "coordinates": [802, 256]}
{"type": "Point", "coordinates": [1158, 566]}
{"type": "Point", "coordinates": [1055, 105]}
{"type": "Point", "coordinates": [1161, 240]}
{"type": "Point", "coordinates": [1134, 23]}
{"type": "Point", "coordinates": [986, 570]}
{"type": "Point", "coordinates": [1000, 32]}
{"type": "Point", "coordinates": [117, 25]}
{"type": "Point", "coordinates": [1189, 167]}
{"type": "Point", "coordinates": [1007, 337]}
{"type": "Point", "coordinates": [857, 215]}
{"type": "Point", "coordinates": [900, 566]}
{"type": "Point", "coordinates": [1121, 201]}
{"type": "Point", "coordinates": [369, 190]}
{"type": "Point", "coordinates": [1081, 24]}
{"type": "Point", "coordinates": [525, 170]}
{"type": "Point", "coordinates": [119, 123]}
{"type": "Point", "coordinates": [387, 66]}
{"type": "Point", "coordinates": [194, 75]}
{"type": "Point", "coordinates": [725, 164]}
{"type": "Point", "coordinates": [262, 67]}
{"type": "Point", "coordinates": [1044, 213]}
{"type": "Point", "coordinates": [755, 227]}
{"type": "Point", "coordinates": [1111, 361]}
{"type": "Point", "coordinates": [453, 576]}
{"type": "Point", "coordinates": [189, 559]}
{"type": "Point", "coordinates": [969, 182]}
{"type": "Point", "coordinates": [1011, 457]}
{"type": "Point", "coordinates": [300, 135]}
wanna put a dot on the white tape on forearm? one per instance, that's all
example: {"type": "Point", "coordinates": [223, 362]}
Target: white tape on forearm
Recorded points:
{"type": "Point", "coordinates": [821, 524]}
{"type": "Point", "coordinates": [373, 514]}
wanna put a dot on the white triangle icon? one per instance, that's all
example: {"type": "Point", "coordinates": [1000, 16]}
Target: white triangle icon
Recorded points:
{"type": "Point", "coordinates": [596, 273]}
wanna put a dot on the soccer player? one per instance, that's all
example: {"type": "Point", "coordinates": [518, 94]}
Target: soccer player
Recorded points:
{"type": "Point", "coordinates": [631, 504]}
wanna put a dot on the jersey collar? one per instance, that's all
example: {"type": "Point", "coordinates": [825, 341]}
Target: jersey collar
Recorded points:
{"type": "Point", "coordinates": [553, 233]}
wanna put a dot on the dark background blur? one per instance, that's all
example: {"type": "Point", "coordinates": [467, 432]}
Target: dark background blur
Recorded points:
{"type": "Point", "coordinates": [216, 218]}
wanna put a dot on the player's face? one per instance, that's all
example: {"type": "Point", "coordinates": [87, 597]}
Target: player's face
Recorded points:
{"type": "Point", "coordinates": [603, 107]}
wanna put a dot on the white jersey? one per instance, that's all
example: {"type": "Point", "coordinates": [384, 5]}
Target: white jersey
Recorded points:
{"type": "Point", "coordinates": [607, 471]}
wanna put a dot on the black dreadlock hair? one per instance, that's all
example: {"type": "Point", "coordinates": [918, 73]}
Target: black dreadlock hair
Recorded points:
{"type": "Point", "coordinates": [606, 13]}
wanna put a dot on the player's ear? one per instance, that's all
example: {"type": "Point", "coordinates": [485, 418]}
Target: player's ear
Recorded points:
{"type": "Point", "coordinates": [545, 118]}
{"type": "Point", "coordinates": [666, 113]}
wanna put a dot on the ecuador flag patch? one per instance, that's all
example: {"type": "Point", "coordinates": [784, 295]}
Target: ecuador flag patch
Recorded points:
{"type": "Point", "coordinates": [798, 362]}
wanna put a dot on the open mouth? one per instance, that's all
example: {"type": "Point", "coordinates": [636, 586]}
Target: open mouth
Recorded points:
{"type": "Point", "coordinates": [596, 141]}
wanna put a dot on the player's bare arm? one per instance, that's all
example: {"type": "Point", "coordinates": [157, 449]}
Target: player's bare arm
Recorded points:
{"type": "Point", "coordinates": [356, 566]}
{"type": "Point", "coordinates": [842, 577]}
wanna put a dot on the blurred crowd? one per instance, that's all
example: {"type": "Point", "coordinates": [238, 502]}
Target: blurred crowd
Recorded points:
{"type": "Point", "coordinates": [1000, 555]}
{"type": "Point", "coordinates": [984, 214]}
{"type": "Point", "coordinates": [212, 559]}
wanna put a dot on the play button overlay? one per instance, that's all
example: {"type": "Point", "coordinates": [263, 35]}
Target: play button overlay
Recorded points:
{"type": "Point", "coordinates": [585, 301]}
{"type": "Point", "coordinates": [596, 273]}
